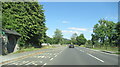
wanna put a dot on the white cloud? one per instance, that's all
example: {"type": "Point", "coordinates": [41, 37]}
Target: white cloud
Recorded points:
{"type": "Point", "coordinates": [65, 22]}
{"type": "Point", "coordinates": [111, 17]}
{"type": "Point", "coordinates": [66, 31]}
{"type": "Point", "coordinates": [106, 17]}
{"type": "Point", "coordinates": [91, 31]}
{"type": "Point", "coordinates": [80, 29]}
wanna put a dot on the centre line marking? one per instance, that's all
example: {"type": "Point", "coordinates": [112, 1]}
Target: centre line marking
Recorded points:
{"type": "Point", "coordinates": [95, 57]}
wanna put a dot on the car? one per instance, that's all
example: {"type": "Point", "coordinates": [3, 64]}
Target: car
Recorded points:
{"type": "Point", "coordinates": [71, 46]}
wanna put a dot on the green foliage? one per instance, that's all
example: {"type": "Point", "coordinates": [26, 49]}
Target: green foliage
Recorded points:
{"type": "Point", "coordinates": [48, 40]}
{"type": "Point", "coordinates": [73, 38]}
{"type": "Point", "coordinates": [27, 18]}
{"type": "Point", "coordinates": [104, 33]}
{"type": "Point", "coordinates": [118, 28]}
{"type": "Point", "coordinates": [81, 40]}
{"type": "Point", "coordinates": [89, 44]}
{"type": "Point", "coordinates": [57, 37]}
{"type": "Point", "coordinates": [66, 41]}
{"type": "Point", "coordinates": [118, 34]}
{"type": "Point", "coordinates": [52, 41]}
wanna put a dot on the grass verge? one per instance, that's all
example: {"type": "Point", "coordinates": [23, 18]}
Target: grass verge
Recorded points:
{"type": "Point", "coordinates": [25, 50]}
{"type": "Point", "coordinates": [112, 49]}
{"type": "Point", "coordinates": [32, 49]}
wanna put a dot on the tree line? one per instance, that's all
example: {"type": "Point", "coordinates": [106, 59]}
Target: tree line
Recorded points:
{"type": "Point", "coordinates": [106, 33]}
{"type": "Point", "coordinates": [58, 39]}
{"type": "Point", "coordinates": [28, 19]}
{"type": "Point", "coordinates": [78, 40]}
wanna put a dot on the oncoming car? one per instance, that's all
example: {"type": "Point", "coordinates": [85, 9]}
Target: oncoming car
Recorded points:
{"type": "Point", "coordinates": [71, 46]}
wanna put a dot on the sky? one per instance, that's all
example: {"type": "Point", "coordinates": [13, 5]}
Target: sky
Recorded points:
{"type": "Point", "coordinates": [77, 17]}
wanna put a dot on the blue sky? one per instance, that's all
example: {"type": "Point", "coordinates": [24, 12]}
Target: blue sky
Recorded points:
{"type": "Point", "coordinates": [77, 17]}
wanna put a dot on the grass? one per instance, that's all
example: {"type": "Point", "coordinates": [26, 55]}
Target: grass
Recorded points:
{"type": "Point", "coordinates": [117, 53]}
{"type": "Point", "coordinates": [48, 47]}
{"type": "Point", "coordinates": [64, 45]}
{"type": "Point", "coordinates": [26, 49]}
{"type": "Point", "coordinates": [82, 46]}
{"type": "Point", "coordinates": [114, 49]}
{"type": "Point", "coordinates": [32, 49]}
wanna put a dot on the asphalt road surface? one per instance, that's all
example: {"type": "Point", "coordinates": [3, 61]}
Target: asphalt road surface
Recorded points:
{"type": "Point", "coordinates": [66, 56]}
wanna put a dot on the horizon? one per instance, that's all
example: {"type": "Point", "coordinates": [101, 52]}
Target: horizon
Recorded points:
{"type": "Point", "coordinates": [70, 17]}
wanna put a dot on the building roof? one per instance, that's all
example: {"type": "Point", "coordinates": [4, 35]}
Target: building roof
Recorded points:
{"type": "Point", "coordinates": [11, 32]}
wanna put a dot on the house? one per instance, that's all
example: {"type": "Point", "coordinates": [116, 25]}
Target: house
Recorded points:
{"type": "Point", "coordinates": [9, 40]}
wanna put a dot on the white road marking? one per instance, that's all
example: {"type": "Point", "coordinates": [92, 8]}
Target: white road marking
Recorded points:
{"type": "Point", "coordinates": [51, 59]}
{"type": "Point", "coordinates": [60, 51]}
{"type": "Point", "coordinates": [14, 63]}
{"type": "Point", "coordinates": [109, 54]}
{"type": "Point", "coordinates": [95, 57]}
{"type": "Point", "coordinates": [28, 63]}
{"type": "Point", "coordinates": [101, 52]}
{"type": "Point", "coordinates": [45, 64]}
{"type": "Point", "coordinates": [42, 56]}
{"type": "Point", "coordinates": [55, 55]}
{"type": "Point", "coordinates": [35, 64]}
{"type": "Point", "coordinates": [79, 50]}
{"type": "Point", "coordinates": [40, 61]}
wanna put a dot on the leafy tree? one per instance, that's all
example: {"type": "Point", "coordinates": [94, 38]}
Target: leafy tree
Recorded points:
{"type": "Point", "coordinates": [66, 41]}
{"type": "Point", "coordinates": [118, 34]}
{"type": "Point", "coordinates": [81, 40]}
{"type": "Point", "coordinates": [73, 38]}
{"type": "Point", "coordinates": [58, 36]}
{"type": "Point", "coordinates": [94, 39]}
{"type": "Point", "coordinates": [88, 43]}
{"type": "Point", "coordinates": [27, 18]}
{"type": "Point", "coordinates": [48, 40]}
{"type": "Point", "coordinates": [104, 33]}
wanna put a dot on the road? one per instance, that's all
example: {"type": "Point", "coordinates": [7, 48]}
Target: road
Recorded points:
{"type": "Point", "coordinates": [65, 56]}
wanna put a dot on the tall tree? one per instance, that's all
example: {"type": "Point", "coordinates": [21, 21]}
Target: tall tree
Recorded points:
{"type": "Point", "coordinates": [66, 41]}
{"type": "Point", "coordinates": [48, 40]}
{"type": "Point", "coordinates": [58, 36]}
{"type": "Point", "coordinates": [105, 33]}
{"type": "Point", "coordinates": [73, 38]}
{"type": "Point", "coordinates": [81, 40]}
{"type": "Point", "coordinates": [118, 34]}
{"type": "Point", "coordinates": [27, 18]}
